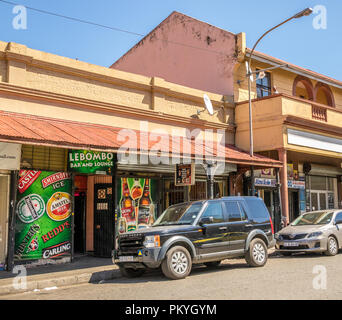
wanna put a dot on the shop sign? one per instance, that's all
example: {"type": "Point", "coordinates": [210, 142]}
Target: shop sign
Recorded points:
{"type": "Point", "coordinates": [264, 182]}
{"type": "Point", "coordinates": [10, 154]}
{"type": "Point", "coordinates": [137, 203]}
{"type": "Point", "coordinates": [43, 215]}
{"type": "Point", "coordinates": [185, 174]}
{"type": "Point", "coordinates": [85, 161]}
{"type": "Point", "coordinates": [267, 172]}
{"type": "Point", "coordinates": [296, 184]}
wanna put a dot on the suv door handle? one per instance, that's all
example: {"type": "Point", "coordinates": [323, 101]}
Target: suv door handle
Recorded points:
{"type": "Point", "coordinates": [248, 225]}
{"type": "Point", "coordinates": [222, 228]}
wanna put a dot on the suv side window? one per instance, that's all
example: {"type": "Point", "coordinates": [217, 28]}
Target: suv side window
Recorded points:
{"type": "Point", "coordinates": [233, 211]}
{"type": "Point", "coordinates": [258, 210]}
{"type": "Point", "coordinates": [214, 210]}
{"type": "Point", "coordinates": [243, 212]}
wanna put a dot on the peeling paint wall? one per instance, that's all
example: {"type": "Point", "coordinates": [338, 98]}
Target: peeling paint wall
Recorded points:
{"type": "Point", "coordinates": [186, 51]}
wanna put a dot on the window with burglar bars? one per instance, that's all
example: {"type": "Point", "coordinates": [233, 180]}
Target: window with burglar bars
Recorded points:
{"type": "Point", "coordinates": [263, 85]}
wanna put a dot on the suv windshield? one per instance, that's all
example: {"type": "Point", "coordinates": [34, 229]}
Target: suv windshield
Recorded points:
{"type": "Point", "coordinates": [185, 213]}
{"type": "Point", "coordinates": [313, 218]}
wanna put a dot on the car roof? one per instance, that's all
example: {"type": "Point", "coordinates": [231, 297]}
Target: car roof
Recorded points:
{"type": "Point", "coordinates": [239, 198]}
{"type": "Point", "coordinates": [326, 210]}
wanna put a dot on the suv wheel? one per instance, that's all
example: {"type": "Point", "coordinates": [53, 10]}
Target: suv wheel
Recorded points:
{"type": "Point", "coordinates": [131, 272]}
{"type": "Point", "coordinates": [256, 256]}
{"type": "Point", "coordinates": [332, 248]}
{"type": "Point", "coordinates": [177, 263]}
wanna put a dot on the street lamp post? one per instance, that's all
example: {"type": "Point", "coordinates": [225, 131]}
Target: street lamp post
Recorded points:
{"type": "Point", "coordinates": [303, 13]}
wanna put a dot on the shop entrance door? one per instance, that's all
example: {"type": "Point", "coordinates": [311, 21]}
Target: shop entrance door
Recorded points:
{"type": "Point", "coordinates": [318, 201]}
{"type": "Point", "coordinates": [268, 201]}
{"type": "Point", "coordinates": [103, 220]}
{"type": "Point", "coordinates": [293, 204]}
{"type": "Point", "coordinates": [79, 222]}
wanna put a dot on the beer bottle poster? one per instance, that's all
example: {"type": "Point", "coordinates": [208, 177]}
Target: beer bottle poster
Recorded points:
{"type": "Point", "coordinates": [43, 215]}
{"type": "Point", "coordinates": [137, 206]}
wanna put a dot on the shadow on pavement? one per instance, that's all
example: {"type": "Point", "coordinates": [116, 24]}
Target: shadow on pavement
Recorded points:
{"type": "Point", "coordinates": [157, 275]}
{"type": "Point", "coordinates": [79, 263]}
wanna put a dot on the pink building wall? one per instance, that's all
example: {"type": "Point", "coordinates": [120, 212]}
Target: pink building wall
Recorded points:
{"type": "Point", "coordinates": [185, 51]}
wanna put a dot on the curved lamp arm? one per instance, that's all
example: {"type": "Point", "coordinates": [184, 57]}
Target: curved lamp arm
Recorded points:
{"type": "Point", "coordinates": [300, 14]}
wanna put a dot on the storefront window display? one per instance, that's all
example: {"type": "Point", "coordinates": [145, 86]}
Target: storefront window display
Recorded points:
{"type": "Point", "coordinates": [320, 193]}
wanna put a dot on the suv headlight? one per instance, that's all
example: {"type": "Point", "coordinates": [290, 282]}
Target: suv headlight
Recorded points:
{"type": "Point", "coordinates": [314, 234]}
{"type": "Point", "coordinates": [277, 236]}
{"type": "Point", "coordinates": [152, 241]}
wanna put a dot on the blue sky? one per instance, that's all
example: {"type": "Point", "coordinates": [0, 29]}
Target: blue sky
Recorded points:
{"type": "Point", "coordinates": [297, 42]}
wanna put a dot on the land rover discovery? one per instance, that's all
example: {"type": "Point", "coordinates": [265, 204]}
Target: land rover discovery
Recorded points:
{"type": "Point", "coordinates": [199, 232]}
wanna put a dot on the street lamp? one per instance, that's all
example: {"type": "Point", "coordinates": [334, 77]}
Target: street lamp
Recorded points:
{"type": "Point", "coordinates": [303, 13]}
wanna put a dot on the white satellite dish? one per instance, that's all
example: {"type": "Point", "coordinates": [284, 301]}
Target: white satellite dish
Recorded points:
{"type": "Point", "coordinates": [208, 104]}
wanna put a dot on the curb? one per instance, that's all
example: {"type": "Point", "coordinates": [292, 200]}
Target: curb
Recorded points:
{"type": "Point", "coordinates": [41, 284]}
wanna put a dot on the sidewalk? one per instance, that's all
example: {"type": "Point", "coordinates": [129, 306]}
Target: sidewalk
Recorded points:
{"type": "Point", "coordinates": [84, 269]}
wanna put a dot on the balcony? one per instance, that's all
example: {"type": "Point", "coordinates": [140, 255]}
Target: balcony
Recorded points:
{"type": "Point", "coordinates": [271, 114]}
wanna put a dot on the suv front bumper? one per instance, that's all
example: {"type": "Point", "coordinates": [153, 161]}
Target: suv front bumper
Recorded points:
{"type": "Point", "coordinates": [147, 257]}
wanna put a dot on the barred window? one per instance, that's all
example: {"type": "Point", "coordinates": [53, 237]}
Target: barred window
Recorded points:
{"type": "Point", "coordinates": [263, 86]}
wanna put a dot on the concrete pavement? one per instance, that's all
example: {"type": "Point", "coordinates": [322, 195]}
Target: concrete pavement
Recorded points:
{"type": "Point", "coordinates": [84, 269]}
{"type": "Point", "coordinates": [299, 277]}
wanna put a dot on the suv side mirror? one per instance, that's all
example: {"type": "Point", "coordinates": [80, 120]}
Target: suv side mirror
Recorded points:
{"type": "Point", "coordinates": [338, 221]}
{"type": "Point", "coordinates": [206, 220]}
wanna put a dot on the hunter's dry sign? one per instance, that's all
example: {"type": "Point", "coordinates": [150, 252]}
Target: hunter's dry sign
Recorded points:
{"type": "Point", "coordinates": [43, 215]}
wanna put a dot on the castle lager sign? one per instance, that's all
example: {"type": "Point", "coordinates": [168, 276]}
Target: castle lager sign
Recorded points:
{"type": "Point", "coordinates": [43, 215]}
{"type": "Point", "coordinates": [86, 161]}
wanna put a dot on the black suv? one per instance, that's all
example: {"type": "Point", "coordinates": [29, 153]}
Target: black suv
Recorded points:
{"type": "Point", "coordinates": [198, 232]}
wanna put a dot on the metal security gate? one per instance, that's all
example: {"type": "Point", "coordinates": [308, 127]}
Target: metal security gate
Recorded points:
{"type": "Point", "coordinates": [103, 220]}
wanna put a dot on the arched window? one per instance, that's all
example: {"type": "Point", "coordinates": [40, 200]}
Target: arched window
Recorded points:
{"type": "Point", "coordinates": [324, 95]}
{"type": "Point", "coordinates": [303, 88]}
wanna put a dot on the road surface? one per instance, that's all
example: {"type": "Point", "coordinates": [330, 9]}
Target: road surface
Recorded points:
{"type": "Point", "coordinates": [296, 277]}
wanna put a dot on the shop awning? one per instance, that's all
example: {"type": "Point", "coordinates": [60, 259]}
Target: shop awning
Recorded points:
{"type": "Point", "coordinates": [29, 129]}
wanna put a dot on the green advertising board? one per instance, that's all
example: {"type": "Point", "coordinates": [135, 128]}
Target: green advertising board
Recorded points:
{"type": "Point", "coordinates": [86, 161]}
{"type": "Point", "coordinates": [43, 215]}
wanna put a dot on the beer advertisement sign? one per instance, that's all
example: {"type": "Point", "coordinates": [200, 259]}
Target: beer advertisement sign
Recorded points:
{"type": "Point", "coordinates": [185, 174]}
{"type": "Point", "coordinates": [86, 161]}
{"type": "Point", "coordinates": [137, 207]}
{"type": "Point", "coordinates": [43, 215]}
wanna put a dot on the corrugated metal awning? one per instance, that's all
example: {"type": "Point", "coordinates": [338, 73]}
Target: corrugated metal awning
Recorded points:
{"type": "Point", "coordinates": [28, 129]}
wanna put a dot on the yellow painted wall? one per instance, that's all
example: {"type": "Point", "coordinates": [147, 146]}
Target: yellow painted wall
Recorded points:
{"type": "Point", "coordinates": [269, 132]}
{"type": "Point", "coordinates": [281, 79]}
{"type": "Point", "coordinates": [43, 84]}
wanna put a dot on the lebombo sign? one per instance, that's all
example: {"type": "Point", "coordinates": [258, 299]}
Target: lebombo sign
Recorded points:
{"type": "Point", "coordinates": [43, 215]}
{"type": "Point", "coordinates": [85, 161]}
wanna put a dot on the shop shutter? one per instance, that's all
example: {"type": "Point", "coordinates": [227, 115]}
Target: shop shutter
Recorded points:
{"type": "Point", "coordinates": [44, 158]}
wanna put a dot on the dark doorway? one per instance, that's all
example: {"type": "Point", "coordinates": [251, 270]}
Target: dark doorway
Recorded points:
{"type": "Point", "coordinates": [103, 220]}
{"type": "Point", "coordinates": [293, 204]}
{"type": "Point", "coordinates": [268, 201]}
{"type": "Point", "coordinates": [277, 211]}
{"type": "Point", "coordinates": [79, 222]}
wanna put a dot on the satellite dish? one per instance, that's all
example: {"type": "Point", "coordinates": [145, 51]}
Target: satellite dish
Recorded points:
{"type": "Point", "coordinates": [208, 104]}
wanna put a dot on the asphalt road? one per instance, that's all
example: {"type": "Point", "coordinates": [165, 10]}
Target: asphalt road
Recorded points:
{"type": "Point", "coordinates": [296, 277]}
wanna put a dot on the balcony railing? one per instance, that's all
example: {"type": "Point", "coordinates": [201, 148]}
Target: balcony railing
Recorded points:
{"type": "Point", "coordinates": [285, 105]}
{"type": "Point", "coordinates": [319, 113]}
